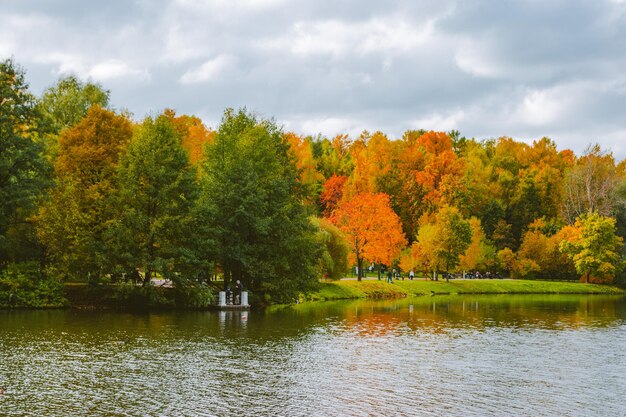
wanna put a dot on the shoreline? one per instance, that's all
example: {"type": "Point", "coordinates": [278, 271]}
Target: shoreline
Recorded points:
{"type": "Point", "coordinates": [82, 297]}
{"type": "Point", "coordinates": [373, 288]}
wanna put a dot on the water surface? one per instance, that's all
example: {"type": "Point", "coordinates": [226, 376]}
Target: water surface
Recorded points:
{"type": "Point", "coordinates": [458, 355]}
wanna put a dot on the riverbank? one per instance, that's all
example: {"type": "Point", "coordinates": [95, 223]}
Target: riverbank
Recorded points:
{"type": "Point", "coordinates": [353, 289]}
{"type": "Point", "coordinates": [131, 297]}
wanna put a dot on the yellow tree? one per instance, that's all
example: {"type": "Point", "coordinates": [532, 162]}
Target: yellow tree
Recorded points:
{"type": "Point", "coordinates": [308, 175]}
{"type": "Point", "coordinates": [594, 247]}
{"type": "Point", "coordinates": [443, 242]}
{"type": "Point", "coordinates": [479, 254]}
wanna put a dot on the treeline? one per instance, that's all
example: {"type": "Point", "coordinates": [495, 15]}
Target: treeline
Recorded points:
{"type": "Point", "coordinates": [86, 193]}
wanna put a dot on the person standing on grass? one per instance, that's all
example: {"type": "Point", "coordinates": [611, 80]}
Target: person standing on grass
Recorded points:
{"type": "Point", "coordinates": [389, 277]}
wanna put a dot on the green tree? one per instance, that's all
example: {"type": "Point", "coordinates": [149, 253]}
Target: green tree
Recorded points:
{"type": "Point", "coordinates": [335, 249]}
{"type": "Point", "coordinates": [153, 229]}
{"type": "Point", "coordinates": [252, 202]}
{"type": "Point", "coordinates": [72, 221]}
{"type": "Point", "coordinates": [594, 247]}
{"type": "Point", "coordinates": [23, 170]}
{"type": "Point", "coordinates": [66, 103]}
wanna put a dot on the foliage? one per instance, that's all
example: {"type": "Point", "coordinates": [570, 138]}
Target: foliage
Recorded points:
{"type": "Point", "coordinates": [23, 286]}
{"type": "Point", "coordinates": [444, 241]}
{"type": "Point", "coordinates": [66, 103]}
{"type": "Point", "coordinates": [309, 178]}
{"type": "Point", "coordinates": [372, 228]}
{"type": "Point", "coordinates": [152, 228]}
{"type": "Point", "coordinates": [23, 170]}
{"type": "Point", "coordinates": [335, 249]}
{"type": "Point", "coordinates": [332, 193]}
{"type": "Point", "coordinates": [252, 204]}
{"type": "Point", "coordinates": [130, 295]}
{"type": "Point", "coordinates": [480, 254]}
{"type": "Point", "coordinates": [72, 222]}
{"type": "Point", "coordinates": [195, 136]}
{"type": "Point", "coordinates": [593, 247]}
{"type": "Point", "coordinates": [590, 185]}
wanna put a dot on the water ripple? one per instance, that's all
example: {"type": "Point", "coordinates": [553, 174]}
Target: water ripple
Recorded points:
{"type": "Point", "coordinates": [397, 361]}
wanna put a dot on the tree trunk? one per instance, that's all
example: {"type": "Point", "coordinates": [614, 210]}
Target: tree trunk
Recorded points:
{"type": "Point", "coordinates": [359, 264]}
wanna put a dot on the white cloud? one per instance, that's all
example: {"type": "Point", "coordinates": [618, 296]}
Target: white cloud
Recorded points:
{"type": "Point", "coordinates": [113, 68]}
{"type": "Point", "coordinates": [210, 70]}
{"type": "Point", "coordinates": [106, 70]}
{"type": "Point", "coordinates": [388, 35]}
{"type": "Point", "coordinates": [440, 122]}
{"type": "Point", "coordinates": [542, 107]}
{"type": "Point", "coordinates": [223, 5]}
{"type": "Point", "coordinates": [328, 126]}
{"type": "Point", "coordinates": [475, 58]}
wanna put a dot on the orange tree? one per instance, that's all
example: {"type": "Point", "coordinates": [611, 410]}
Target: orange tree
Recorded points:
{"type": "Point", "coordinates": [372, 228]}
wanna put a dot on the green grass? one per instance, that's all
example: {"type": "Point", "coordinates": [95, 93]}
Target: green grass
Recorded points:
{"type": "Point", "coordinates": [350, 289]}
{"type": "Point", "coordinates": [341, 290]}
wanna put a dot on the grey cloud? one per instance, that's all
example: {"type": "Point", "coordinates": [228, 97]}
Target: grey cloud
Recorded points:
{"type": "Point", "coordinates": [525, 69]}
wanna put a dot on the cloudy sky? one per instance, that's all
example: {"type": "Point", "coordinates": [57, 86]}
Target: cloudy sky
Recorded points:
{"type": "Point", "coordinates": [525, 69]}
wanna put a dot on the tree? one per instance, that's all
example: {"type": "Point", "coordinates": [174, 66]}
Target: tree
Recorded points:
{"type": "Point", "coordinates": [308, 176]}
{"type": "Point", "coordinates": [443, 242]}
{"type": "Point", "coordinates": [479, 254]}
{"type": "Point", "coordinates": [335, 252]}
{"type": "Point", "coordinates": [23, 170]}
{"type": "Point", "coordinates": [153, 227]}
{"type": "Point", "coordinates": [372, 228]}
{"type": "Point", "coordinates": [195, 136]}
{"type": "Point", "coordinates": [72, 221]}
{"type": "Point", "coordinates": [66, 103]}
{"type": "Point", "coordinates": [252, 202]}
{"type": "Point", "coordinates": [590, 185]}
{"type": "Point", "coordinates": [332, 193]}
{"type": "Point", "coordinates": [593, 246]}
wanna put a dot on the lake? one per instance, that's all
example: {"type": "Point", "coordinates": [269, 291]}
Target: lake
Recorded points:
{"type": "Point", "coordinates": [442, 356]}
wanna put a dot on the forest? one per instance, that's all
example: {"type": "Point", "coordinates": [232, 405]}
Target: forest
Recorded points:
{"type": "Point", "coordinates": [90, 194]}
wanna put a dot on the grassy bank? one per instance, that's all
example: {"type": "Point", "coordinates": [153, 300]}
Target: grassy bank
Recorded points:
{"type": "Point", "coordinates": [351, 289]}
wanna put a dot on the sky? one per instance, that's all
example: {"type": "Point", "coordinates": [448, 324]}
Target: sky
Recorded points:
{"type": "Point", "coordinates": [523, 69]}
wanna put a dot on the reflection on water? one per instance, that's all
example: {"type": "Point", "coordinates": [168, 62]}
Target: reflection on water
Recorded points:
{"type": "Point", "coordinates": [474, 355]}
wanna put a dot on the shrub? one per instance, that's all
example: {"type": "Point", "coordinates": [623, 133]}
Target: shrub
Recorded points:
{"type": "Point", "coordinates": [23, 286]}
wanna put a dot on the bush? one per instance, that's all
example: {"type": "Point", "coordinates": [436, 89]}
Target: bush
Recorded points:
{"type": "Point", "coordinates": [23, 286]}
{"type": "Point", "coordinates": [196, 296]}
{"type": "Point", "coordinates": [130, 295]}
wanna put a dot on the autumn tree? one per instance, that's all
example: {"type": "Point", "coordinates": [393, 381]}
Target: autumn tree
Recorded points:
{"type": "Point", "coordinates": [72, 222]}
{"type": "Point", "coordinates": [594, 248]}
{"type": "Point", "coordinates": [308, 176]}
{"type": "Point", "coordinates": [539, 255]}
{"type": "Point", "coordinates": [23, 170]}
{"type": "Point", "coordinates": [332, 156]}
{"type": "Point", "coordinates": [480, 254]}
{"type": "Point", "coordinates": [332, 193]}
{"type": "Point", "coordinates": [252, 203]}
{"type": "Point", "coordinates": [195, 136]}
{"type": "Point", "coordinates": [445, 240]}
{"type": "Point", "coordinates": [372, 228]}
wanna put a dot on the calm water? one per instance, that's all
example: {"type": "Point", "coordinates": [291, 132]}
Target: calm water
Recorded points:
{"type": "Point", "coordinates": [466, 356]}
